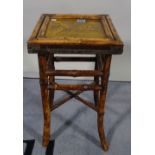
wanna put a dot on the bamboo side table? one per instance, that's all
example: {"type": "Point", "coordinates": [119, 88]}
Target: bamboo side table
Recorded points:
{"type": "Point", "coordinates": [74, 34]}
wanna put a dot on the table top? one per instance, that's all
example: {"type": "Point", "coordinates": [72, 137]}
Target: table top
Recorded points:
{"type": "Point", "coordinates": [75, 31]}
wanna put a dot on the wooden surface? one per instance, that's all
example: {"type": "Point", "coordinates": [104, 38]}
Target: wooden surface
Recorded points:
{"type": "Point", "coordinates": [73, 33]}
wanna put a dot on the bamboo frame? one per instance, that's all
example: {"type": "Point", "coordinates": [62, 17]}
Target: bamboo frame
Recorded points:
{"type": "Point", "coordinates": [46, 47]}
{"type": "Point", "coordinates": [83, 87]}
{"type": "Point", "coordinates": [48, 87]}
{"type": "Point", "coordinates": [65, 99]}
{"type": "Point", "coordinates": [73, 73]}
{"type": "Point", "coordinates": [85, 102]}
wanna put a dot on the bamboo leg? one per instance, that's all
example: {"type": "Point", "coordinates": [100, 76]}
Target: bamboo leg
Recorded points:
{"type": "Point", "coordinates": [46, 109]}
{"type": "Point", "coordinates": [45, 98]}
{"type": "Point", "coordinates": [51, 79]}
{"type": "Point", "coordinates": [101, 105]}
{"type": "Point", "coordinates": [96, 80]}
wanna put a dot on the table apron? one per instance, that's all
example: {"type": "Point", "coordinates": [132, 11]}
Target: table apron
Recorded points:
{"type": "Point", "coordinates": [106, 50]}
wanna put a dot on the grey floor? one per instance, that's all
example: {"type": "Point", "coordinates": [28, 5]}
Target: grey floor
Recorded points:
{"type": "Point", "coordinates": [74, 126]}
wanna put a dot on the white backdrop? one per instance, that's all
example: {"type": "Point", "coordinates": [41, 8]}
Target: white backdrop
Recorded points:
{"type": "Point", "coordinates": [119, 10]}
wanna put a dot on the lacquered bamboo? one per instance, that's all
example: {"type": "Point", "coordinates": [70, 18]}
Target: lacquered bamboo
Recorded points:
{"type": "Point", "coordinates": [85, 102]}
{"type": "Point", "coordinates": [65, 99]}
{"type": "Point", "coordinates": [83, 87]}
{"type": "Point", "coordinates": [45, 98]}
{"type": "Point", "coordinates": [73, 73]}
{"type": "Point", "coordinates": [101, 105]}
{"type": "Point", "coordinates": [103, 42]}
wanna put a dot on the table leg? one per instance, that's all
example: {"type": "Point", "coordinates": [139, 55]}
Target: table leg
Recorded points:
{"type": "Point", "coordinates": [96, 80]}
{"type": "Point", "coordinates": [45, 98]}
{"type": "Point", "coordinates": [101, 104]}
{"type": "Point", "coordinates": [51, 79]}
